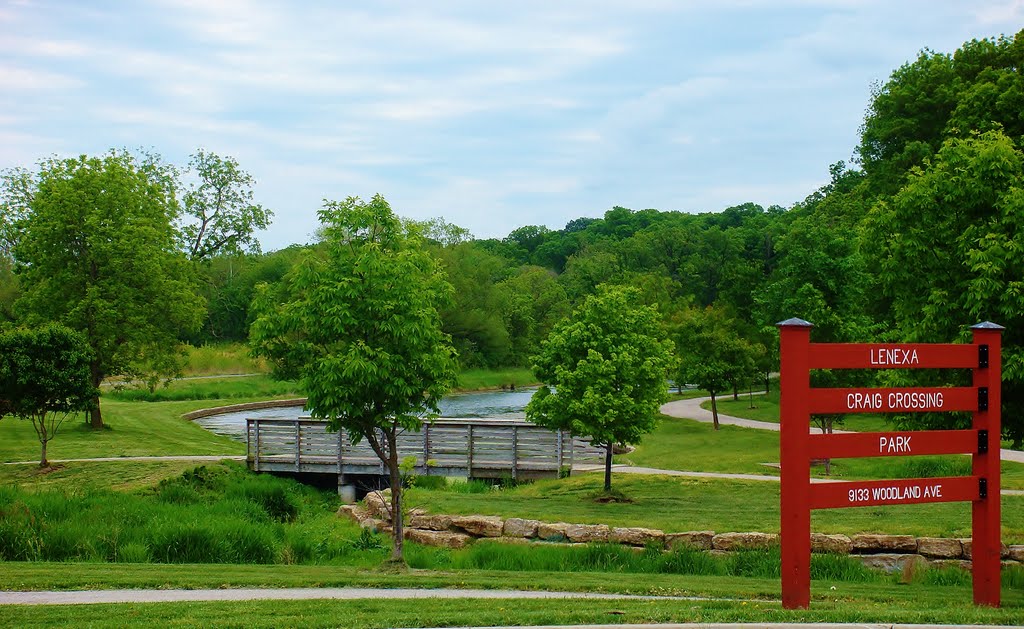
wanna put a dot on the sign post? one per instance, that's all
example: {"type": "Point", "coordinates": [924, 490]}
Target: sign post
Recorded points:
{"type": "Point", "coordinates": [798, 356]}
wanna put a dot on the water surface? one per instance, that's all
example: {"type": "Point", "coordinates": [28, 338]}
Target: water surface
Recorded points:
{"type": "Point", "coordinates": [480, 404]}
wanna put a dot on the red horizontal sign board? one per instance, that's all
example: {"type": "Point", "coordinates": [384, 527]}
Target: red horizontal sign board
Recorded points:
{"type": "Point", "coordinates": [907, 400]}
{"type": "Point", "coordinates": [868, 444]}
{"type": "Point", "coordinates": [894, 492]}
{"type": "Point", "coordinates": [893, 356]}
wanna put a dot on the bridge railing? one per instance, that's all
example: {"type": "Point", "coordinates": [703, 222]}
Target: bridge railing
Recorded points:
{"type": "Point", "coordinates": [446, 447]}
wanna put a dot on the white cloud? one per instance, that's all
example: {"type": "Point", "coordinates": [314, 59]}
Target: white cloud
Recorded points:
{"type": "Point", "coordinates": [16, 79]}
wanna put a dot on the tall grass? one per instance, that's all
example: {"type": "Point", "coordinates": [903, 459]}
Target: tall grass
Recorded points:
{"type": "Point", "coordinates": [209, 389]}
{"type": "Point", "coordinates": [217, 514]}
{"type": "Point", "coordinates": [486, 555]}
{"type": "Point", "coordinates": [222, 358]}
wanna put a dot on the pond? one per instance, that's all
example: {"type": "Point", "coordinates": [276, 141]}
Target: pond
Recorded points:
{"type": "Point", "coordinates": [479, 404]}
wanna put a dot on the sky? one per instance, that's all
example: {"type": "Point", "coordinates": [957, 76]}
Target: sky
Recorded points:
{"type": "Point", "coordinates": [491, 115]}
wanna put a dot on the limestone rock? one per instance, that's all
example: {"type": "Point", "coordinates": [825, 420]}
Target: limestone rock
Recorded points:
{"type": "Point", "coordinates": [430, 522]}
{"type": "Point", "coordinates": [888, 562]}
{"type": "Point", "coordinates": [584, 533]}
{"type": "Point", "coordinates": [940, 547]}
{"type": "Point", "coordinates": [744, 541]}
{"type": "Point", "coordinates": [554, 531]}
{"type": "Point", "coordinates": [353, 512]}
{"type": "Point", "coordinates": [835, 544]}
{"type": "Point", "coordinates": [636, 536]}
{"type": "Point", "coordinates": [1015, 552]}
{"type": "Point", "coordinates": [443, 539]}
{"type": "Point", "coordinates": [518, 527]}
{"type": "Point", "coordinates": [479, 525]}
{"type": "Point", "coordinates": [697, 540]}
{"type": "Point", "coordinates": [1004, 550]}
{"type": "Point", "coordinates": [873, 544]}
{"type": "Point", "coordinates": [378, 505]}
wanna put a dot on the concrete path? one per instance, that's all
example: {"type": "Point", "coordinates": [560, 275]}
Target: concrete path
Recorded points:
{"type": "Point", "coordinates": [91, 597]}
{"type": "Point", "coordinates": [691, 409]}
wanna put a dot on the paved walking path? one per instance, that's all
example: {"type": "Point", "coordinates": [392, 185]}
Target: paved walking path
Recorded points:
{"type": "Point", "coordinates": [91, 597]}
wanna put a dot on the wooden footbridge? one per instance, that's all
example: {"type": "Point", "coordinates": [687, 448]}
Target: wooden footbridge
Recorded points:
{"type": "Point", "coordinates": [468, 448]}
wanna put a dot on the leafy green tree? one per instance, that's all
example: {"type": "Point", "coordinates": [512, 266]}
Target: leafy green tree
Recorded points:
{"type": "Point", "coordinates": [16, 189]}
{"type": "Point", "coordinates": [97, 251]}
{"type": "Point", "coordinates": [9, 291]}
{"type": "Point", "coordinates": [604, 371]}
{"type": "Point", "coordinates": [948, 251]}
{"type": "Point", "coordinates": [712, 353]}
{"type": "Point", "coordinates": [473, 317]}
{"type": "Point", "coordinates": [357, 323]}
{"type": "Point", "coordinates": [44, 376]}
{"type": "Point", "coordinates": [220, 209]}
{"type": "Point", "coordinates": [531, 303]}
{"type": "Point", "coordinates": [940, 96]}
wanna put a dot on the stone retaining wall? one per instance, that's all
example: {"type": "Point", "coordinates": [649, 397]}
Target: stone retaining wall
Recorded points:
{"type": "Point", "coordinates": [248, 406]}
{"type": "Point", "coordinates": [884, 552]}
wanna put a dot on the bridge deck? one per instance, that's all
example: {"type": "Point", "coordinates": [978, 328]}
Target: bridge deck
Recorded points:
{"type": "Point", "coordinates": [470, 448]}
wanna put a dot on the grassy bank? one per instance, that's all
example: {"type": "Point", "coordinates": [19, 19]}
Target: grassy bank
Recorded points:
{"type": "Point", "coordinates": [684, 504]}
{"type": "Point", "coordinates": [132, 429]}
{"type": "Point", "coordinates": [873, 604]}
{"type": "Point", "coordinates": [482, 379]}
{"type": "Point", "coordinates": [222, 358]}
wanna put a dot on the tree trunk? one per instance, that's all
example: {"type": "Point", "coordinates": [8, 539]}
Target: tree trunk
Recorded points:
{"type": "Point", "coordinates": [95, 418]}
{"type": "Point", "coordinates": [398, 530]}
{"type": "Point", "coordinates": [714, 409]}
{"type": "Point", "coordinates": [608, 468]}
{"type": "Point", "coordinates": [767, 382]}
{"type": "Point", "coordinates": [43, 440]}
{"type": "Point", "coordinates": [735, 392]}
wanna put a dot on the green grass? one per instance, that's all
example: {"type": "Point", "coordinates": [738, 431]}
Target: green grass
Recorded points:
{"type": "Point", "coordinates": [683, 444]}
{"type": "Point", "coordinates": [675, 504]}
{"type": "Point", "coordinates": [222, 358]}
{"type": "Point", "coordinates": [220, 513]}
{"type": "Point", "coordinates": [480, 379]}
{"type": "Point", "coordinates": [133, 429]}
{"type": "Point", "coordinates": [228, 388]}
{"type": "Point", "coordinates": [93, 475]}
{"type": "Point", "coordinates": [745, 599]}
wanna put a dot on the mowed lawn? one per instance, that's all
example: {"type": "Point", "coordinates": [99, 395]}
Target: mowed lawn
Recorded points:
{"type": "Point", "coordinates": [132, 429]}
{"type": "Point", "coordinates": [675, 504]}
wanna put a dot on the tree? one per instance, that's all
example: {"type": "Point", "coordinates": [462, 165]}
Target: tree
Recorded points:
{"type": "Point", "coordinates": [16, 190]}
{"type": "Point", "coordinates": [948, 251]}
{"type": "Point", "coordinates": [604, 371]}
{"type": "Point", "coordinates": [357, 323]}
{"type": "Point", "coordinates": [97, 252]}
{"type": "Point", "coordinates": [222, 207]}
{"type": "Point", "coordinates": [44, 376]}
{"type": "Point", "coordinates": [939, 96]}
{"type": "Point", "coordinates": [713, 355]}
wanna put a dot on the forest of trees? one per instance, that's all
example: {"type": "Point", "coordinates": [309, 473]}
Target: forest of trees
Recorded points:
{"type": "Point", "coordinates": [920, 236]}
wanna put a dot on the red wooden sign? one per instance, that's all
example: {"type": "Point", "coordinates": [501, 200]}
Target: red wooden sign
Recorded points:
{"type": "Point", "coordinates": [798, 446]}
{"type": "Point", "coordinates": [893, 492]}
{"type": "Point", "coordinates": [917, 400]}
{"type": "Point", "coordinates": [917, 442]}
